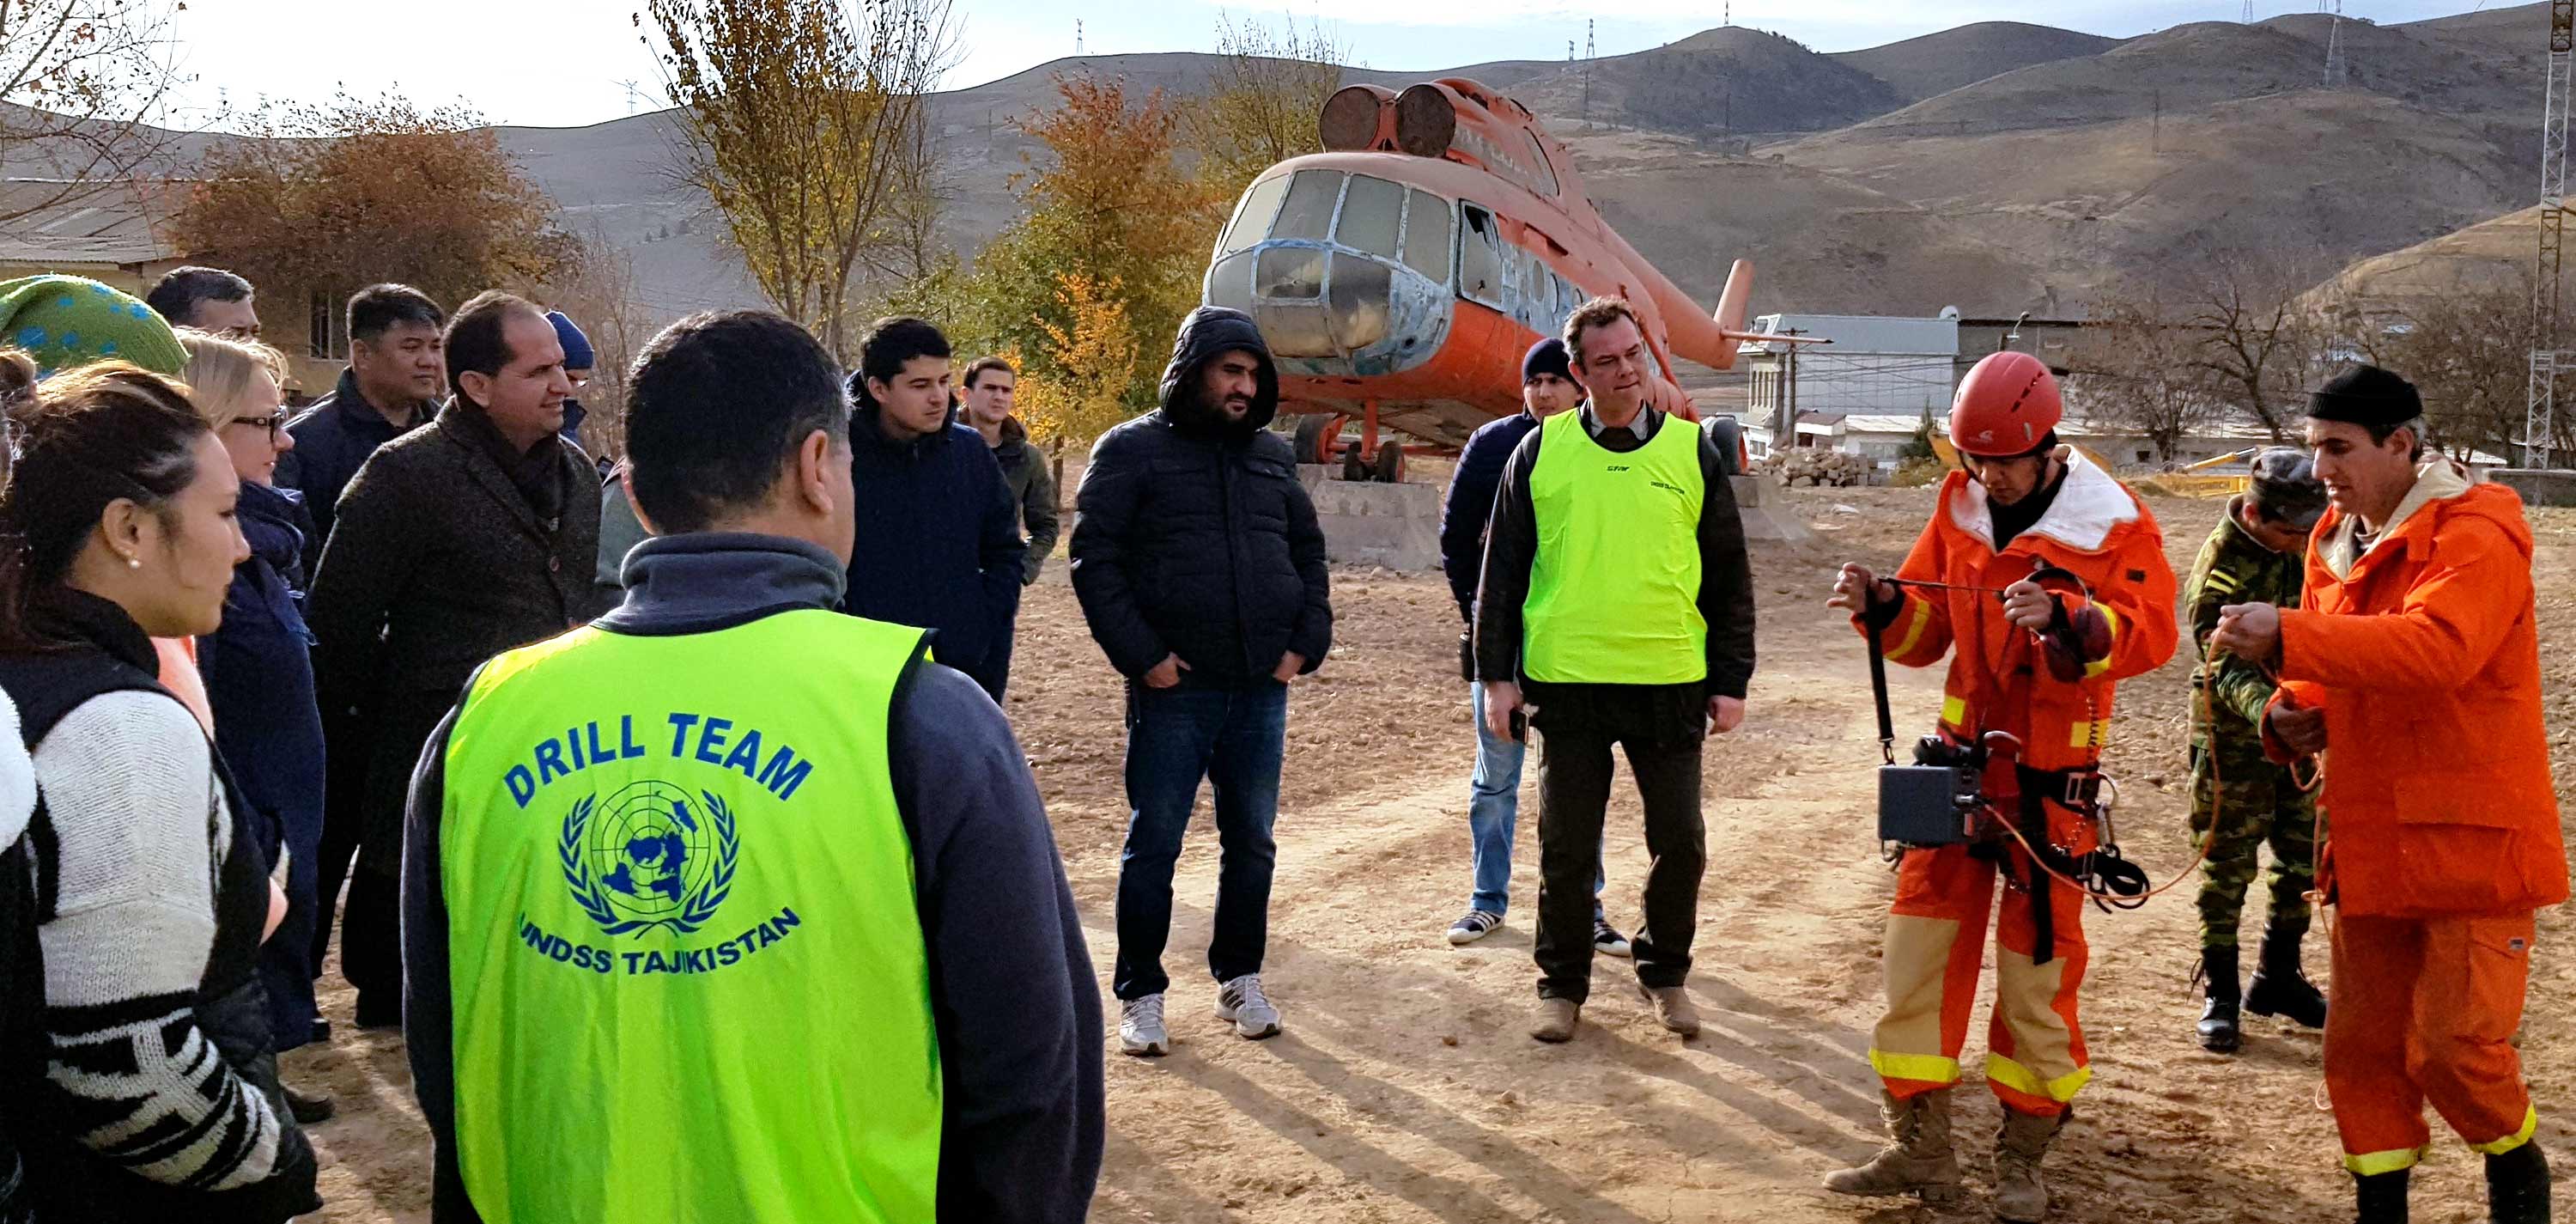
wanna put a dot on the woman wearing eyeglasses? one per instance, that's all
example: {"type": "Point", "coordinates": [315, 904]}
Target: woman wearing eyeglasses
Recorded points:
{"type": "Point", "coordinates": [258, 669]}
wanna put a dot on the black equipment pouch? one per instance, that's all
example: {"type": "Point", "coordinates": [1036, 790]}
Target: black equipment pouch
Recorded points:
{"type": "Point", "coordinates": [1934, 801]}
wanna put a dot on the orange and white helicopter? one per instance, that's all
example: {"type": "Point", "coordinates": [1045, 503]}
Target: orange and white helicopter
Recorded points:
{"type": "Point", "coordinates": [1400, 275]}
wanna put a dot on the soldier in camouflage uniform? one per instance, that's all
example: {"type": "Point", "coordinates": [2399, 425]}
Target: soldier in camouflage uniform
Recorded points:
{"type": "Point", "coordinates": [2258, 554]}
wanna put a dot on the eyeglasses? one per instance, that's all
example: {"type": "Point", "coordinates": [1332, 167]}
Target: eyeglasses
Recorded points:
{"type": "Point", "coordinates": [275, 424]}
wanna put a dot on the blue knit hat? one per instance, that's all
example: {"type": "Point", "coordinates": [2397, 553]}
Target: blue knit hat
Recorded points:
{"type": "Point", "coordinates": [576, 346]}
{"type": "Point", "coordinates": [1546, 357]}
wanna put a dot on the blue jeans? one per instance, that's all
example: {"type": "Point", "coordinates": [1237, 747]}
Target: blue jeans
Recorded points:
{"type": "Point", "coordinates": [1233, 734]}
{"type": "Point", "coordinates": [1493, 810]}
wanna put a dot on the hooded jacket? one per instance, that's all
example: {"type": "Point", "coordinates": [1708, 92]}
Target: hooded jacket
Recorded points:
{"type": "Point", "coordinates": [1999, 678]}
{"type": "Point", "coordinates": [2424, 653]}
{"type": "Point", "coordinates": [1194, 537]}
{"type": "Point", "coordinates": [938, 544]}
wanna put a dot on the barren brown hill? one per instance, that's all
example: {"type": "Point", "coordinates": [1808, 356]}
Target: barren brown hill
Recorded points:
{"type": "Point", "coordinates": [2494, 252]}
{"type": "Point", "coordinates": [2218, 136]}
{"type": "Point", "coordinates": [1727, 80]}
{"type": "Point", "coordinates": [1818, 239]}
{"type": "Point", "coordinates": [1935, 64]}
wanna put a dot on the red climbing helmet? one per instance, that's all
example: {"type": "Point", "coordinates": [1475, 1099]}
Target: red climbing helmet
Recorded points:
{"type": "Point", "coordinates": [2006, 406]}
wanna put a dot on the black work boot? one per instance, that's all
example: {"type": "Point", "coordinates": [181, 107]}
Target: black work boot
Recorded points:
{"type": "Point", "coordinates": [2221, 988]}
{"type": "Point", "coordinates": [2518, 1186]}
{"type": "Point", "coordinates": [2381, 1197]}
{"type": "Point", "coordinates": [2279, 987]}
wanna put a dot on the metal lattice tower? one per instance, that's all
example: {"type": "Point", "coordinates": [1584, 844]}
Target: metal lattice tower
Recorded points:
{"type": "Point", "coordinates": [2334, 43]}
{"type": "Point", "coordinates": [2248, 18]}
{"type": "Point", "coordinates": [2539, 423]}
{"type": "Point", "coordinates": [1587, 72]}
{"type": "Point", "coordinates": [1077, 36]}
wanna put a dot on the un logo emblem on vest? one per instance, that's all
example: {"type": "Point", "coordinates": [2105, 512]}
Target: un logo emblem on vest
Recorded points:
{"type": "Point", "coordinates": [653, 857]}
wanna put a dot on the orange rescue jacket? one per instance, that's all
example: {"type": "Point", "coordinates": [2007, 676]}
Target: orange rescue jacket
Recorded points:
{"type": "Point", "coordinates": [1999, 679]}
{"type": "Point", "coordinates": [2424, 654]}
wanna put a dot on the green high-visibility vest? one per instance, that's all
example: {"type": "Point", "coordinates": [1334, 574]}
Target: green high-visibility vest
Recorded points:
{"type": "Point", "coordinates": [1614, 588]}
{"type": "Point", "coordinates": [688, 972]}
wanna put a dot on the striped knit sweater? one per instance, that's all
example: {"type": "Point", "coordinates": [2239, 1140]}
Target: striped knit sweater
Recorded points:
{"type": "Point", "coordinates": [129, 838]}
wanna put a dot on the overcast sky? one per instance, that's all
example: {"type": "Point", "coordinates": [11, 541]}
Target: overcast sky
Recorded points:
{"type": "Point", "coordinates": [566, 62]}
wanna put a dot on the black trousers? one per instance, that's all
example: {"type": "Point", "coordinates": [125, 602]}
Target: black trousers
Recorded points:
{"type": "Point", "coordinates": [1574, 772]}
{"type": "Point", "coordinates": [346, 745]}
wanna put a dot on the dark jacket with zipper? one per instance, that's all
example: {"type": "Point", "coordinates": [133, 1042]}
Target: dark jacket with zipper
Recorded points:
{"type": "Point", "coordinates": [938, 544]}
{"type": "Point", "coordinates": [1194, 536]}
{"type": "Point", "coordinates": [101, 650]}
{"type": "Point", "coordinates": [333, 439]}
{"type": "Point", "coordinates": [1470, 504]}
{"type": "Point", "coordinates": [1032, 485]}
{"type": "Point", "coordinates": [439, 562]}
{"type": "Point", "coordinates": [258, 670]}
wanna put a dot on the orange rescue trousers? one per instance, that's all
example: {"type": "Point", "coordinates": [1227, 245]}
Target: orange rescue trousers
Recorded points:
{"type": "Point", "coordinates": [2424, 1009]}
{"type": "Point", "coordinates": [1936, 939]}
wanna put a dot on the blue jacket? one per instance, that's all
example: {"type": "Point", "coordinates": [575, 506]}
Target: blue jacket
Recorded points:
{"type": "Point", "coordinates": [332, 438]}
{"type": "Point", "coordinates": [1471, 504]}
{"type": "Point", "coordinates": [939, 542]}
{"type": "Point", "coordinates": [258, 669]}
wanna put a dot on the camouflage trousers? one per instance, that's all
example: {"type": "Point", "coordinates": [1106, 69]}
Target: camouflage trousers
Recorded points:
{"type": "Point", "coordinates": [2256, 802]}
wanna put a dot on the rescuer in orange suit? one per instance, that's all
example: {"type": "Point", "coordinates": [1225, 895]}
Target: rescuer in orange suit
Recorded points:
{"type": "Point", "coordinates": [2413, 653]}
{"type": "Point", "coordinates": [2039, 666]}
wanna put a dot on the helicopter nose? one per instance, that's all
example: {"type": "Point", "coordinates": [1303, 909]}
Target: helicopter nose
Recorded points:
{"type": "Point", "coordinates": [1331, 306]}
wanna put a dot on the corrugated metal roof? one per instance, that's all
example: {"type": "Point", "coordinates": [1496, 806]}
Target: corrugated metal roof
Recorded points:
{"type": "Point", "coordinates": [103, 227]}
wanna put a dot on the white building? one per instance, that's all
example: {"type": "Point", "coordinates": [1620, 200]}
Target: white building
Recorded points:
{"type": "Point", "coordinates": [1874, 366]}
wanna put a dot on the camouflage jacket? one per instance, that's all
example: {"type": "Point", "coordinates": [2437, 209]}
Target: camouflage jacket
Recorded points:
{"type": "Point", "coordinates": [2235, 568]}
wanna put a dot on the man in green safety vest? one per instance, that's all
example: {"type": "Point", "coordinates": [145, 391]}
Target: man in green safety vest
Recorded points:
{"type": "Point", "coordinates": [1617, 608]}
{"type": "Point", "coordinates": [731, 907]}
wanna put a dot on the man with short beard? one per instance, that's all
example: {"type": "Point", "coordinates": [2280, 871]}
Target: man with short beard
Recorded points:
{"type": "Point", "coordinates": [1200, 568]}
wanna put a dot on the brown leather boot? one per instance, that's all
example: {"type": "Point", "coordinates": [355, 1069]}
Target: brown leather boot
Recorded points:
{"type": "Point", "coordinates": [2020, 1194]}
{"type": "Point", "coordinates": [1918, 1160]}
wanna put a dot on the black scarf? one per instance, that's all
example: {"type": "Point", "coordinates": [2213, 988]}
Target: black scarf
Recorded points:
{"type": "Point", "coordinates": [535, 472]}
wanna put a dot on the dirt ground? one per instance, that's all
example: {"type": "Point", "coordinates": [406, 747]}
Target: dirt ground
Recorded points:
{"type": "Point", "coordinates": [1405, 1088]}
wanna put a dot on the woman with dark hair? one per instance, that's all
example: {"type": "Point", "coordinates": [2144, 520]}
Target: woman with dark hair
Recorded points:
{"type": "Point", "coordinates": [258, 669]}
{"type": "Point", "coordinates": [155, 1095]}
{"type": "Point", "coordinates": [21, 978]}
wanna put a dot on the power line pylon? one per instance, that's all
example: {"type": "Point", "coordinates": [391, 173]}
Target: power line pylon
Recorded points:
{"type": "Point", "coordinates": [2539, 423]}
{"type": "Point", "coordinates": [2334, 44]}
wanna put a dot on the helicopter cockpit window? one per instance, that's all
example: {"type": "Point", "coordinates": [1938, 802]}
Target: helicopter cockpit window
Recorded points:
{"type": "Point", "coordinates": [1252, 219]}
{"type": "Point", "coordinates": [1480, 258]}
{"type": "Point", "coordinates": [1428, 231]}
{"type": "Point", "coordinates": [1372, 214]}
{"type": "Point", "coordinates": [1308, 211]}
{"type": "Point", "coordinates": [1543, 176]}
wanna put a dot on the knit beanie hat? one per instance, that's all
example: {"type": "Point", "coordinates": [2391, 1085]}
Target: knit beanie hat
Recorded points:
{"type": "Point", "coordinates": [2366, 395]}
{"type": "Point", "coordinates": [66, 322]}
{"type": "Point", "coordinates": [576, 346]}
{"type": "Point", "coordinates": [1546, 357]}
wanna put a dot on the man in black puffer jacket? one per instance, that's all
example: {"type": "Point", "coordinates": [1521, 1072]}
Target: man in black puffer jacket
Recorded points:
{"type": "Point", "coordinates": [1201, 571]}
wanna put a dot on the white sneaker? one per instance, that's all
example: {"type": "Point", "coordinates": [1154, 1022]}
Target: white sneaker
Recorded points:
{"type": "Point", "coordinates": [1140, 1027]}
{"type": "Point", "coordinates": [1476, 925]}
{"type": "Point", "coordinates": [1241, 1003]}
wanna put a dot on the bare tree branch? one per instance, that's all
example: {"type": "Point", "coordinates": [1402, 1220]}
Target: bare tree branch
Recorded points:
{"type": "Point", "coordinates": [803, 121]}
{"type": "Point", "coordinates": [80, 81]}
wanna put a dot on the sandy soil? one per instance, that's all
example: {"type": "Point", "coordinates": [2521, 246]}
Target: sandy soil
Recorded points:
{"type": "Point", "coordinates": [1404, 1088]}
